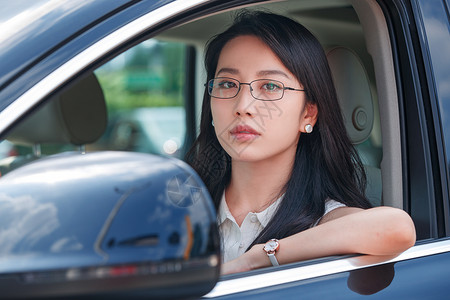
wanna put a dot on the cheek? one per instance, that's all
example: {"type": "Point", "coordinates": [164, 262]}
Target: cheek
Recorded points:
{"type": "Point", "coordinates": [285, 132]}
{"type": "Point", "coordinates": [287, 125]}
{"type": "Point", "coordinates": [221, 112]}
{"type": "Point", "coordinates": [215, 111]}
{"type": "Point", "coordinates": [285, 118]}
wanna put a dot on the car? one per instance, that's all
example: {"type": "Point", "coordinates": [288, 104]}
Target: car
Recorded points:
{"type": "Point", "coordinates": [81, 219]}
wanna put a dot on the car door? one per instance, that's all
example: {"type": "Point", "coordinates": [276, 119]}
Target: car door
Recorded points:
{"type": "Point", "coordinates": [418, 32]}
{"type": "Point", "coordinates": [405, 148]}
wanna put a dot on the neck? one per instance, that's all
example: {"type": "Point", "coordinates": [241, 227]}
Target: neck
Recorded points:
{"type": "Point", "coordinates": [256, 185]}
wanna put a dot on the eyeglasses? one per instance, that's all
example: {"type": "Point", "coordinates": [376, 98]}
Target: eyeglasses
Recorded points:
{"type": "Point", "coordinates": [261, 89]}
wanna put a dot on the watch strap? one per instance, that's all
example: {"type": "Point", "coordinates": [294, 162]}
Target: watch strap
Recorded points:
{"type": "Point", "coordinates": [273, 259]}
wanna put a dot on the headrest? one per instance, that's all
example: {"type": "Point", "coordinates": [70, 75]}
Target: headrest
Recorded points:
{"type": "Point", "coordinates": [353, 90]}
{"type": "Point", "coordinates": [77, 116]}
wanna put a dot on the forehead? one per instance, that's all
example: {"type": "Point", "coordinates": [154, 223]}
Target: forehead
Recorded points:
{"type": "Point", "coordinates": [247, 54]}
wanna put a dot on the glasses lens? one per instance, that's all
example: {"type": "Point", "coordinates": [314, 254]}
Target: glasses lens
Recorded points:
{"type": "Point", "coordinates": [223, 87]}
{"type": "Point", "coordinates": [267, 89]}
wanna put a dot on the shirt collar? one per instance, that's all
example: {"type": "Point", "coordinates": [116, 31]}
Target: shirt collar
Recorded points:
{"type": "Point", "coordinates": [264, 217]}
{"type": "Point", "coordinates": [223, 212]}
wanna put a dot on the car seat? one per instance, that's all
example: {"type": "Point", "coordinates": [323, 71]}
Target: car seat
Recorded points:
{"type": "Point", "coordinates": [77, 116]}
{"type": "Point", "coordinates": [355, 98]}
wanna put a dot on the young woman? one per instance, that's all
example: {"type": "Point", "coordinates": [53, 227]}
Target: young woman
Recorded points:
{"type": "Point", "coordinates": [275, 156]}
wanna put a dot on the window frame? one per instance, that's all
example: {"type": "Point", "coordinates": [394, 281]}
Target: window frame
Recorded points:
{"type": "Point", "coordinates": [424, 192]}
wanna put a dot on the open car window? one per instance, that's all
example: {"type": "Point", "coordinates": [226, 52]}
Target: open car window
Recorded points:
{"type": "Point", "coordinates": [153, 91]}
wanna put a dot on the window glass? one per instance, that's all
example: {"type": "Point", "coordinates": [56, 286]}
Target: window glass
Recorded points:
{"type": "Point", "coordinates": [435, 20]}
{"type": "Point", "coordinates": [144, 90]}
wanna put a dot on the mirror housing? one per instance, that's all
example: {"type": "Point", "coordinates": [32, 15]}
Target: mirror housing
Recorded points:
{"type": "Point", "coordinates": [106, 224]}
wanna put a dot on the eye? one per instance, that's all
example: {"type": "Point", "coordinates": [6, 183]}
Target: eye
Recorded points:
{"type": "Point", "coordinates": [227, 84]}
{"type": "Point", "coordinates": [272, 86]}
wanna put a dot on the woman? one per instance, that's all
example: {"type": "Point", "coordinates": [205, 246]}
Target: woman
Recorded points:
{"type": "Point", "coordinates": [275, 156]}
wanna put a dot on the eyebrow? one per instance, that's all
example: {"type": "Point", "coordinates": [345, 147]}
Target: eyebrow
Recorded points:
{"type": "Point", "coordinates": [260, 73]}
{"type": "Point", "coordinates": [228, 70]}
{"type": "Point", "coordinates": [273, 72]}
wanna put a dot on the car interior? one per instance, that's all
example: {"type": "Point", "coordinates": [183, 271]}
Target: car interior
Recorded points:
{"type": "Point", "coordinates": [75, 117]}
{"type": "Point", "coordinates": [354, 35]}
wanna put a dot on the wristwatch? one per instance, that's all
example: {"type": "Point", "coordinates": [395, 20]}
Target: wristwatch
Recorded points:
{"type": "Point", "coordinates": [271, 247]}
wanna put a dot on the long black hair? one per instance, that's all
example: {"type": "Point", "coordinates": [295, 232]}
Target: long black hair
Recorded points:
{"type": "Point", "coordinates": [326, 164]}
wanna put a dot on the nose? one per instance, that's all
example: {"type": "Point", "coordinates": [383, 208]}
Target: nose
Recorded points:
{"type": "Point", "coordinates": [245, 100]}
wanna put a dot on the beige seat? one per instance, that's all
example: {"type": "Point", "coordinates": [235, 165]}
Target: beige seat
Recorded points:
{"type": "Point", "coordinates": [76, 117]}
{"type": "Point", "coordinates": [355, 98]}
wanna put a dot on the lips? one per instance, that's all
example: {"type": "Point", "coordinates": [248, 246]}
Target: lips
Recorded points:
{"type": "Point", "coordinates": [244, 133]}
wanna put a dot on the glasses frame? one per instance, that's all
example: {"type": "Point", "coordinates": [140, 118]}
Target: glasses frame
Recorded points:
{"type": "Point", "coordinates": [207, 85]}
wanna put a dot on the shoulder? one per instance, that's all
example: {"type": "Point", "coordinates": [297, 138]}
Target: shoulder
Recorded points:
{"type": "Point", "coordinates": [335, 210]}
{"type": "Point", "coordinates": [331, 205]}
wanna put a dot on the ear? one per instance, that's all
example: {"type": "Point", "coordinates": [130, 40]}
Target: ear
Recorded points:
{"type": "Point", "coordinates": [309, 116]}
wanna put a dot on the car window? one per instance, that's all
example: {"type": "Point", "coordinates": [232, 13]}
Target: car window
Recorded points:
{"type": "Point", "coordinates": [147, 92]}
{"type": "Point", "coordinates": [144, 93]}
{"type": "Point", "coordinates": [147, 109]}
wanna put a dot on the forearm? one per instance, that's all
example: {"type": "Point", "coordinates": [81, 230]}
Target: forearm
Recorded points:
{"type": "Point", "coordinates": [377, 231]}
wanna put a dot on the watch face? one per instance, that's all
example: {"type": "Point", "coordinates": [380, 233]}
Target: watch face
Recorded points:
{"type": "Point", "coordinates": [271, 245]}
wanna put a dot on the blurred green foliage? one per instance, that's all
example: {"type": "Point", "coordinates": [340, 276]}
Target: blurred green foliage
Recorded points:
{"type": "Point", "coordinates": [150, 74]}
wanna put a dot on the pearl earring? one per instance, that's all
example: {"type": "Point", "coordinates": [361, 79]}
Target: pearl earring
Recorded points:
{"type": "Point", "coordinates": [212, 123]}
{"type": "Point", "coordinates": [308, 128]}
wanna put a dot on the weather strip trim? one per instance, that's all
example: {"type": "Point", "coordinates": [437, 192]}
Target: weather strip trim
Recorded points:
{"type": "Point", "coordinates": [274, 277]}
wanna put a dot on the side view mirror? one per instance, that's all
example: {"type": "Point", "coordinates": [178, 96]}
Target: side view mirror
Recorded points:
{"type": "Point", "coordinates": [115, 224]}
